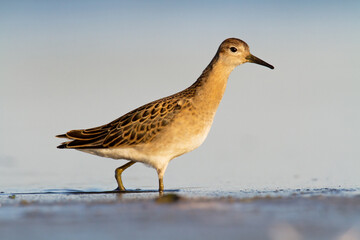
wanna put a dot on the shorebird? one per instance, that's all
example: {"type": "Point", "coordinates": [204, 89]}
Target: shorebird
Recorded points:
{"type": "Point", "coordinates": [162, 130]}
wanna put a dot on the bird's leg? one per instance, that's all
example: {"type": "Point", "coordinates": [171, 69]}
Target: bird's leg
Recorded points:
{"type": "Point", "coordinates": [160, 173]}
{"type": "Point", "coordinates": [161, 185]}
{"type": "Point", "coordinates": [118, 172]}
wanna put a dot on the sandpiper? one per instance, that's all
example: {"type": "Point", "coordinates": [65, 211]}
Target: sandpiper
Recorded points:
{"type": "Point", "coordinates": [162, 130]}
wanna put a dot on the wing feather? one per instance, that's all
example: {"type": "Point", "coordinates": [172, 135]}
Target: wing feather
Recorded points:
{"type": "Point", "coordinates": [138, 126]}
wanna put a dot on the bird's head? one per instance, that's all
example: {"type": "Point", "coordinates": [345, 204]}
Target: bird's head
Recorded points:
{"type": "Point", "coordinates": [233, 52]}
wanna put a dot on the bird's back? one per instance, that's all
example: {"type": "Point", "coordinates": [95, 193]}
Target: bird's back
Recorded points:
{"type": "Point", "coordinates": [139, 126]}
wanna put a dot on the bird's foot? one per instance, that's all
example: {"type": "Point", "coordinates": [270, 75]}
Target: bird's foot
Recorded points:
{"type": "Point", "coordinates": [119, 189]}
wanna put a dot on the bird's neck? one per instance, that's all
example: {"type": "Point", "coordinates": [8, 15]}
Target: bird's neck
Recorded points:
{"type": "Point", "coordinates": [211, 85]}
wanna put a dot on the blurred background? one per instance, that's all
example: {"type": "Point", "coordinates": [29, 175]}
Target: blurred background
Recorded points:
{"type": "Point", "coordinates": [78, 64]}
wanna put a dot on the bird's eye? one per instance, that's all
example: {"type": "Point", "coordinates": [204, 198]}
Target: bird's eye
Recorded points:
{"type": "Point", "coordinates": [233, 49]}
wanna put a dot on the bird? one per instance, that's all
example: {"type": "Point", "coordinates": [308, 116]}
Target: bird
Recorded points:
{"type": "Point", "coordinates": [164, 129]}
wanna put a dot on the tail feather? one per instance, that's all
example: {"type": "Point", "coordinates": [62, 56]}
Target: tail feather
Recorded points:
{"type": "Point", "coordinates": [63, 145]}
{"type": "Point", "coordinates": [61, 136]}
{"type": "Point", "coordinates": [83, 139]}
{"type": "Point", "coordinates": [85, 135]}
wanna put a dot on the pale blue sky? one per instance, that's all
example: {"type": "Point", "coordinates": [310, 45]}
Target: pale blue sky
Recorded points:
{"type": "Point", "coordinates": [77, 64]}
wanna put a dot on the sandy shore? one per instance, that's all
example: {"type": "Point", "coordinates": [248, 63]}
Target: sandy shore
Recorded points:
{"type": "Point", "coordinates": [326, 214]}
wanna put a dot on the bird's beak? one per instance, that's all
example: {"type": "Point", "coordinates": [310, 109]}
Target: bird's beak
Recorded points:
{"type": "Point", "coordinates": [251, 58]}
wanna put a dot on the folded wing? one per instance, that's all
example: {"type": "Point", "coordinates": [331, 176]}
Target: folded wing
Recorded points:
{"type": "Point", "coordinates": [138, 126]}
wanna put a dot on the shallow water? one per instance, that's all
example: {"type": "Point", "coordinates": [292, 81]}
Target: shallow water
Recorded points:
{"type": "Point", "coordinates": [324, 213]}
{"type": "Point", "coordinates": [200, 192]}
{"type": "Point", "coordinates": [101, 195]}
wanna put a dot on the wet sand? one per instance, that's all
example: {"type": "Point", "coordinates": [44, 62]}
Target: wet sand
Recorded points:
{"type": "Point", "coordinates": [182, 214]}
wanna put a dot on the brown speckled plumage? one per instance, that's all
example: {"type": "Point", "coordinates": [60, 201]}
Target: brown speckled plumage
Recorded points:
{"type": "Point", "coordinates": [138, 126]}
